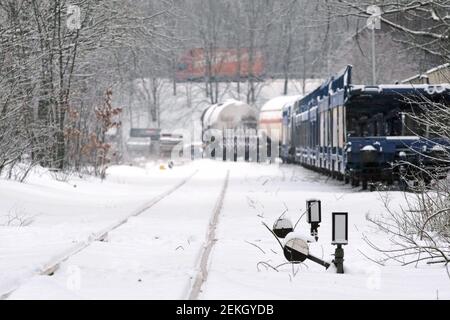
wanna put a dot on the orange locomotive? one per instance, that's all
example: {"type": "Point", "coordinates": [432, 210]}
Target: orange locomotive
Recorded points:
{"type": "Point", "coordinates": [221, 64]}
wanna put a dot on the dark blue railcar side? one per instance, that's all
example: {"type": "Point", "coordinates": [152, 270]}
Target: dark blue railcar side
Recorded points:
{"type": "Point", "coordinates": [365, 133]}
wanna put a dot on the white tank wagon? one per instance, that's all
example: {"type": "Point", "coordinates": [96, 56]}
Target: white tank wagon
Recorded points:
{"type": "Point", "coordinates": [270, 123]}
{"type": "Point", "coordinates": [232, 114]}
{"type": "Point", "coordinates": [229, 124]}
{"type": "Point", "coordinates": [271, 116]}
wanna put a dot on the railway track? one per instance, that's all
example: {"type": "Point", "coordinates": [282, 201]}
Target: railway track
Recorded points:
{"type": "Point", "coordinates": [202, 273]}
{"type": "Point", "coordinates": [51, 267]}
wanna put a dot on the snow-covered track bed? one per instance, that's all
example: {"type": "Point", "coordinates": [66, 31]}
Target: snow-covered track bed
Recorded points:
{"type": "Point", "coordinates": [54, 264]}
{"type": "Point", "coordinates": [155, 253]}
{"type": "Point", "coordinates": [202, 274]}
{"type": "Point", "coordinates": [205, 240]}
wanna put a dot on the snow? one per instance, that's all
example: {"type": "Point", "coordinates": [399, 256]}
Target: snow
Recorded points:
{"type": "Point", "coordinates": [66, 213]}
{"type": "Point", "coordinates": [439, 88]}
{"type": "Point", "coordinates": [442, 66]}
{"type": "Point", "coordinates": [403, 138]}
{"type": "Point", "coordinates": [234, 266]}
{"type": "Point", "coordinates": [145, 142]}
{"type": "Point", "coordinates": [438, 148]}
{"type": "Point", "coordinates": [299, 235]}
{"type": "Point", "coordinates": [283, 224]}
{"type": "Point", "coordinates": [368, 148]}
{"type": "Point", "coordinates": [411, 78]}
{"type": "Point", "coordinates": [156, 255]}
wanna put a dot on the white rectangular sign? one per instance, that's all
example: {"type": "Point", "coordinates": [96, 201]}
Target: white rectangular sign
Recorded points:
{"type": "Point", "coordinates": [340, 228]}
{"type": "Point", "coordinates": [315, 214]}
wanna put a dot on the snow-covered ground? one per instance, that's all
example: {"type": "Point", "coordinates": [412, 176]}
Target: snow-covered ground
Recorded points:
{"type": "Point", "coordinates": [156, 255]}
{"type": "Point", "coordinates": [266, 191]}
{"type": "Point", "coordinates": [58, 215]}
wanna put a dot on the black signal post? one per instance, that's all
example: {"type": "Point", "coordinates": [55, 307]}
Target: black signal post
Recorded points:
{"type": "Point", "coordinates": [314, 218]}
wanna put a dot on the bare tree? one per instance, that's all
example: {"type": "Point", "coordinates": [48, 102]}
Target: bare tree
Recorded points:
{"type": "Point", "coordinates": [53, 74]}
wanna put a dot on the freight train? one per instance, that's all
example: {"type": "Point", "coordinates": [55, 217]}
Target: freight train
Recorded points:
{"type": "Point", "coordinates": [361, 134]}
{"type": "Point", "coordinates": [364, 134]}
